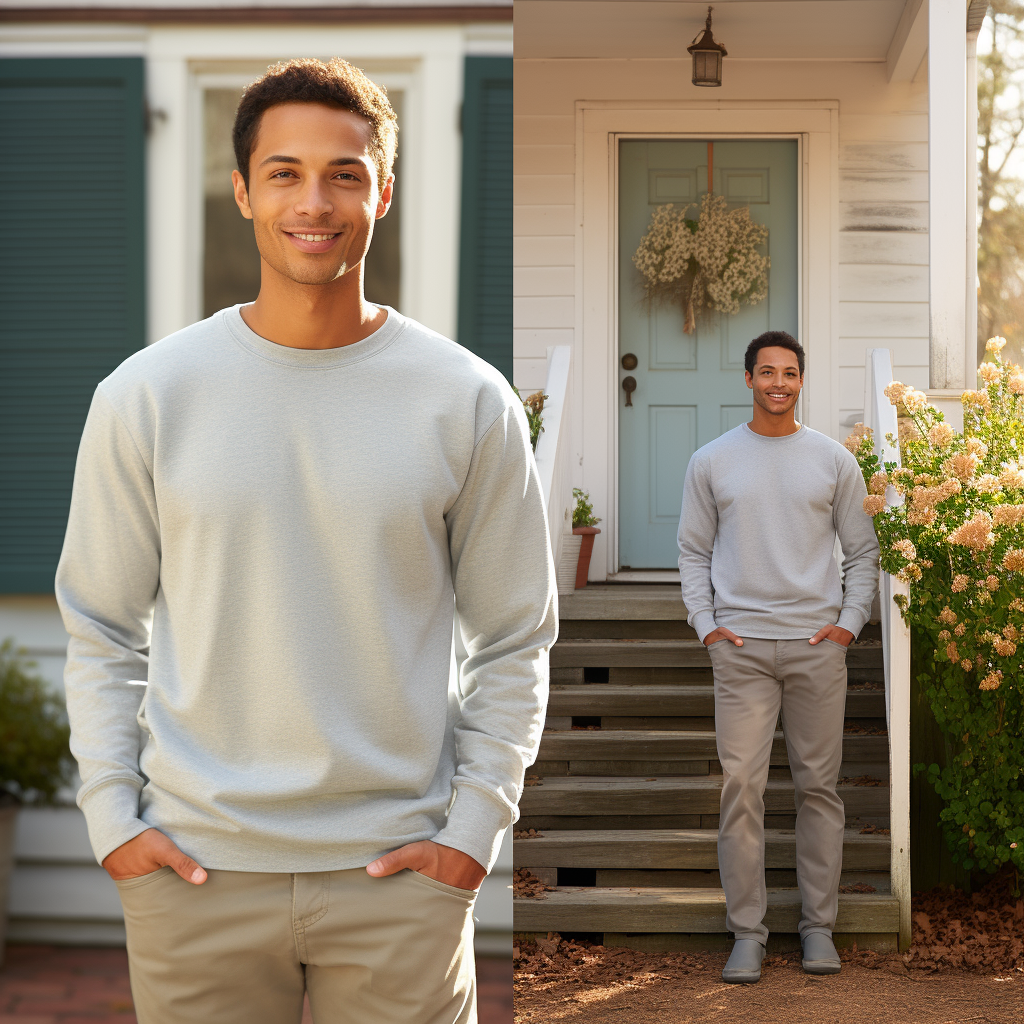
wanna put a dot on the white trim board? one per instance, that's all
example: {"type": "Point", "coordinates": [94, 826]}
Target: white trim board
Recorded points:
{"type": "Point", "coordinates": [599, 125]}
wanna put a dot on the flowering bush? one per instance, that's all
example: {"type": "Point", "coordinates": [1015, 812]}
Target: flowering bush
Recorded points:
{"type": "Point", "coordinates": [710, 263]}
{"type": "Point", "coordinates": [957, 538]}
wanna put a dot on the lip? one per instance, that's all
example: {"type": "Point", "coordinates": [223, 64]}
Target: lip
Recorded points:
{"type": "Point", "coordinates": [303, 246]}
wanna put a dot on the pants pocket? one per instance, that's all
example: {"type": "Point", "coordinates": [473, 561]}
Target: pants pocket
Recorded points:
{"type": "Point", "coordinates": [433, 883]}
{"type": "Point", "coordinates": [139, 880]}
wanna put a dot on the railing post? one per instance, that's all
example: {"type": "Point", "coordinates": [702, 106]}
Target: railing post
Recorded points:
{"type": "Point", "coordinates": [880, 416]}
{"type": "Point", "coordinates": [552, 452]}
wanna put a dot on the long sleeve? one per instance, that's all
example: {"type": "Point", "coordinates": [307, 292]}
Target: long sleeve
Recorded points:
{"type": "Point", "coordinates": [860, 546]}
{"type": "Point", "coordinates": [507, 605]}
{"type": "Point", "coordinates": [698, 525]}
{"type": "Point", "coordinates": [106, 585]}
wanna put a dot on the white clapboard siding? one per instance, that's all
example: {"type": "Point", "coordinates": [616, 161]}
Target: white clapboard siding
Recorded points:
{"type": "Point", "coordinates": [542, 220]}
{"type": "Point", "coordinates": [883, 319]}
{"type": "Point", "coordinates": [548, 311]}
{"type": "Point", "coordinates": [883, 156]}
{"type": "Point", "coordinates": [889, 247]}
{"type": "Point", "coordinates": [883, 186]}
{"type": "Point", "coordinates": [851, 383]}
{"type": "Point", "coordinates": [878, 128]}
{"type": "Point", "coordinates": [543, 251]}
{"type": "Point", "coordinates": [542, 281]}
{"type": "Point", "coordinates": [883, 216]}
{"type": "Point", "coordinates": [914, 349]}
{"type": "Point", "coordinates": [547, 159]}
{"type": "Point", "coordinates": [882, 282]}
{"type": "Point", "coordinates": [542, 129]}
{"type": "Point", "coordinates": [543, 189]}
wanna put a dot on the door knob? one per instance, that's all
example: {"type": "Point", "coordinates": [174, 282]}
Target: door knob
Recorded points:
{"type": "Point", "coordinates": [629, 386]}
{"type": "Point", "coordinates": [629, 361]}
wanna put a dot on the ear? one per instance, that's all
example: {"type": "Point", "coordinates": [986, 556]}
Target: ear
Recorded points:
{"type": "Point", "coordinates": [241, 194]}
{"type": "Point", "coordinates": [747, 375]}
{"type": "Point", "coordinates": [386, 195]}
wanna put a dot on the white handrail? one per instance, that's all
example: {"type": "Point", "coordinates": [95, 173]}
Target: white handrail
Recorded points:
{"type": "Point", "coordinates": [880, 416]}
{"type": "Point", "coordinates": [552, 452]}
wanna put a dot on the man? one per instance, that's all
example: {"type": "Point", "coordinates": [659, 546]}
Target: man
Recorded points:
{"type": "Point", "coordinates": [275, 514]}
{"type": "Point", "coordinates": [762, 507]}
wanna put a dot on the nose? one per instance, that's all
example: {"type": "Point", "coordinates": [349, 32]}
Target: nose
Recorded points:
{"type": "Point", "coordinates": [314, 201]}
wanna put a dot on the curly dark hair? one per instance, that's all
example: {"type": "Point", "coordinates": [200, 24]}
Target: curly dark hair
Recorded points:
{"type": "Point", "coordinates": [773, 339]}
{"type": "Point", "coordinates": [335, 83]}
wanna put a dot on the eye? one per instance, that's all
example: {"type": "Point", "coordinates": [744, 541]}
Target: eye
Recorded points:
{"type": "Point", "coordinates": [277, 174]}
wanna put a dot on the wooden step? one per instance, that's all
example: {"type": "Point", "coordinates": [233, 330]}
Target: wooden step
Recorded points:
{"type": "Point", "coordinates": [592, 796]}
{"type": "Point", "coordinates": [656, 909]}
{"type": "Point", "coordinates": [607, 699]}
{"type": "Point", "coordinates": [669, 654]}
{"type": "Point", "coordinates": [677, 744]}
{"type": "Point", "coordinates": [672, 849]}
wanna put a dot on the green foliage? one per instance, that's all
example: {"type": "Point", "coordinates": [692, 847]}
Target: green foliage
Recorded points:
{"type": "Point", "coordinates": [35, 761]}
{"type": "Point", "coordinates": [957, 538]}
{"type": "Point", "coordinates": [533, 406]}
{"type": "Point", "coordinates": [583, 513]}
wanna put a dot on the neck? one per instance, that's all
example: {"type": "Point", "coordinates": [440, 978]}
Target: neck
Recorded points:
{"type": "Point", "coordinates": [314, 316]}
{"type": "Point", "coordinates": [772, 425]}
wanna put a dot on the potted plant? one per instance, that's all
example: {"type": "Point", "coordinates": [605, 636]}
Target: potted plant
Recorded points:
{"type": "Point", "coordinates": [35, 761]}
{"type": "Point", "coordinates": [584, 525]}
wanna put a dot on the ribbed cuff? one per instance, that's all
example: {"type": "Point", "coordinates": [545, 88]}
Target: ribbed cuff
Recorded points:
{"type": "Point", "coordinates": [476, 824]}
{"type": "Point", "coordinates": [853, 620]}
{"type": "Point", "coordinates": [704, 623]}
{"type": "Point", "coordinates": [112, 816]}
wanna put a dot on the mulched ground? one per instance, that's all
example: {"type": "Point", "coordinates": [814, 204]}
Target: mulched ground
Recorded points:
{"type": "Point", "coordinates": [63, 985]}
{"type": "Point", "coordinates": [966, 964]}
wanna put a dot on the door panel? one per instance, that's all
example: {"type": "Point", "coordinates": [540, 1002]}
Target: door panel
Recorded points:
{"type": "Point", "coordinates": [690, 387]}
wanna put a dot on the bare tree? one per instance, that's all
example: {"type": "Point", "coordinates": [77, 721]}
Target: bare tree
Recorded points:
{"type": "Point", "coordinates": [1001, 191]}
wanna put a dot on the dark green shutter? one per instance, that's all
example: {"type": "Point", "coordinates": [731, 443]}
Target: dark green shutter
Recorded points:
{"type": "Point", "coordinates": [71, 283]}
{"type": "Point", "coordinates": [485, 254]}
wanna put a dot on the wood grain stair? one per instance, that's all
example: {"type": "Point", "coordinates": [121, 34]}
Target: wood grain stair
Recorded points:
{"type": "Point", "coordinates": [626, 788]}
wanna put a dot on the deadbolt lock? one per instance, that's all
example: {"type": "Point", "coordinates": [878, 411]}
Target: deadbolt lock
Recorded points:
{"type": "Point", "coordinates": [629, 361]}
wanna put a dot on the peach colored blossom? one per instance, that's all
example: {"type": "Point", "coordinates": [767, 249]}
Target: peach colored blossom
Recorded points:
{"type": "Point", "coordinates": [1012, 476]}
{"type": "Point", "coordinates": [991, 681]}
{"type": "Point", "coordinates": [895, 391]}
{"type": "Point", "coordinates": [910, 573]}
{"type": "Point", "coordinates": [1013, 560]}
{"type": "Point", "coordinates": [987, 484]}
{"type": "Point", "coordinates": [976, 533]}
{"type": "Point", "coordinates": [989, 372]}
{"type": "Point", "coordinates": [1005, 648]}
{"type": "Point", "coordinates": [963, 466]}
{"type": "Point", "coordinates": [969, 399]}
{"type": "Point", "coordinates": [906, 548]}
{"type": "Point", "coordinates": [951, 651]}
{"type": "Point", "coordinates": [941, 434]}
{"type": "Point", "coordinates": [914, 400]}
{"type": "Point", "coordinates": [878, 483]}
{"type": "Point", "coordinates": [873, 504]}
{"type": "Point", "coordinates": [960, 583]}
{"type": "Point", "coordinates": [975, 446]}
{"type": "Point", "coordinates": [960, 629]}
{"type": "Point", "coordinates": [921, 516]}
{"type": "Point", "coordinates": [996, 344]}
{"type": "Point", "coordinates": [947, 616]}
{"type": "Point", "coordinates": [967, 664]}
{"type": "Point", "coordinates": [1016, 383]}
{"type": "Point", "coordinates": [1008, 515]}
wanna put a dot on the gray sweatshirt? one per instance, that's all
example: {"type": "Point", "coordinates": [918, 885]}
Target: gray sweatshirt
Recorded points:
{"type": "Point", "coordinates": [264, 555]}
{"type": "Point", "coordinates": [757, 532]}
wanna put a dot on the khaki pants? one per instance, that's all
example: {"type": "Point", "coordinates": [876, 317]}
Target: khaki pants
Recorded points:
{"type": "Point", "coordinates": [752, 684]}
{"type": "Point", "coordinates": [243, 948]}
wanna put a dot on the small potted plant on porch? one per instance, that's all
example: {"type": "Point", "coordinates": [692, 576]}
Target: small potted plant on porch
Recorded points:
{"type": "Point", "coordinates": [584, 525]}
{"type": "Point", "coordinates": [35, 761]}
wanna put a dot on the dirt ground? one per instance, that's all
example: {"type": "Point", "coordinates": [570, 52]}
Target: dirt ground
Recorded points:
{"type": "Point", "coordinates": [965, 966]}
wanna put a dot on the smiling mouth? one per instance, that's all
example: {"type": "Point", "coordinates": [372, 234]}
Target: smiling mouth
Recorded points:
{"type": "Point", "coordinates": [311, 237]}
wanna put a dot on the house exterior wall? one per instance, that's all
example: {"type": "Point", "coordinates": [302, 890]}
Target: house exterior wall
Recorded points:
{"type": "Point", "coordinates": [879, 259]}
{"type": "Point", "coordinates": [58, 892]}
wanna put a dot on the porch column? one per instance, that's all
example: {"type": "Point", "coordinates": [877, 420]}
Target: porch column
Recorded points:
{"type": "Point", "coordinates": [947, 196]}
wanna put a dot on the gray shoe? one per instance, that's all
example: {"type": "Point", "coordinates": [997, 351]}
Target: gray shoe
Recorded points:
{"type": "Point", "coordinates": [744, 966]}
{"type": "Point", "coordinates": [820, 956]}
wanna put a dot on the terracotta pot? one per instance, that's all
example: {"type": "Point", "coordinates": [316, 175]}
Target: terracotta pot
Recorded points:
{"type": "Point", "coordinates": [586, 550]}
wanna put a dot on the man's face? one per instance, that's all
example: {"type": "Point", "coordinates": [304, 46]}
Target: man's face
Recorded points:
{"type": "Point", "coordinates": [776, 380]}
{"type": "Point", "coordinates": [311, 176]}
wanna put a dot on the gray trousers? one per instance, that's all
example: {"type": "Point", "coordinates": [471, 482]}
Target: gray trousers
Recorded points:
{"type": "Point", "coordinates": [752, 684]}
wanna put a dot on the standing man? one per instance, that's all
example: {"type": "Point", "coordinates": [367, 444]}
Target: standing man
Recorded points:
{"type": "Point", "coordinates": [276, 513]}
{"type": "Point", "coordinates": [762, 507]}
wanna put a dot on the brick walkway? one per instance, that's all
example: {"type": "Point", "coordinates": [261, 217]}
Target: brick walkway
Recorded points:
{"type": "Point", "coordinates": [58, 985]}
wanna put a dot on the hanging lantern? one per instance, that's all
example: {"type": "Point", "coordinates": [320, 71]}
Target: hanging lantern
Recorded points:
{"type": "Point", "coordinates": [707, 57]}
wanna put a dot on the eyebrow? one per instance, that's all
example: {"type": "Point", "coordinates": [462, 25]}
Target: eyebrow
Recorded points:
{"type": "Point", "coordinates": [341, 161]}
{"type": "Point", "coordinates": [770, 366]}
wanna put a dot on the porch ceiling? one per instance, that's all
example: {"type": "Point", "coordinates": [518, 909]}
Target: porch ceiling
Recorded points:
{"type": "Point", "coordinates": [749, 29]}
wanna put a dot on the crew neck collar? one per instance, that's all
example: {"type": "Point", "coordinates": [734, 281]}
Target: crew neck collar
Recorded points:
{"type": "Point", "coordinates": [799, 432]}
{"type": "Point", "coordinates": [316, 358]}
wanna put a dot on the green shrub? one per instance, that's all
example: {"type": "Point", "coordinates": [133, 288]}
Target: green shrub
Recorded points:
{"type": "Point", "coordinates": [35, 761]}
{"type": "Point", "coordinates": [583, 513]}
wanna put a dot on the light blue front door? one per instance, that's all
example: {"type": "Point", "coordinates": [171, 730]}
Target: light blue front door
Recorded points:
{"type": "Point", "coordinates": [690, 387]}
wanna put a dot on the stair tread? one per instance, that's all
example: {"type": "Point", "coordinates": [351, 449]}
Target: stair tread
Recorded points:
{"type": "Point", "coordinates": [676, 849]}
{"type": "Point", "coordinates": [656, 909]}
